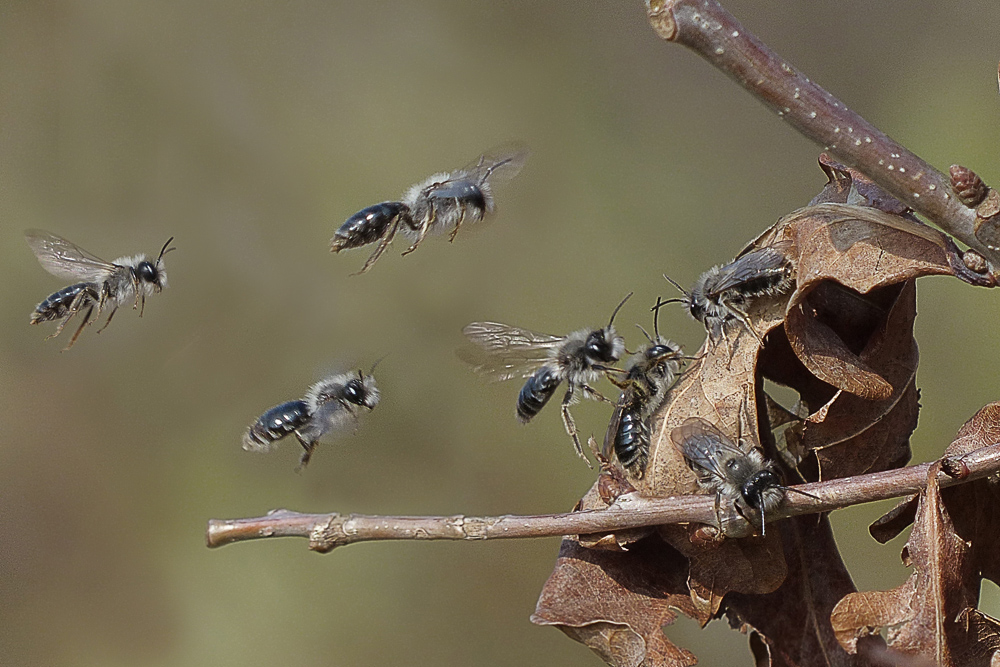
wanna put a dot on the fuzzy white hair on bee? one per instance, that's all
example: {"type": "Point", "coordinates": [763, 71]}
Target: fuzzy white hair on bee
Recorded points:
{"type": "Point", "coordinates": [724, 292]}
{"type": "Point", "coordinates": [354, 388]}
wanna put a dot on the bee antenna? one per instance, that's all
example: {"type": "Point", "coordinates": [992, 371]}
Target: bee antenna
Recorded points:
{"type": "Point", "coordinates": [377, 362]}
{"type": "Point", "coordinates": [677, 285]}
{"type": "Point", "coordinates": [801, 493]}
{"type": "Point", "coordinates": [760, 499]}
{"type": "Point", "coordinates": [659, 304]}
{"type": "Point", "coordinates": [627, 297]}
{"type": "Point", "coordinates": [646, 334]}
{"type": "Point", "coordinates": [165, 249]}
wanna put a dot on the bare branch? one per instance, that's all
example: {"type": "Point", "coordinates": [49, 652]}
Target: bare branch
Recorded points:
{"type": "Point", "coordinates": [327, 531]}
{"type": "Point", "coordinates": [708, 29]}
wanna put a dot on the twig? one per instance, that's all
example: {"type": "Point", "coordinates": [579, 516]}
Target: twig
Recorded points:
{"type": "Point", "coordinates": [327, 531]}
{"type": "Point", "coordinates": [708, 29]}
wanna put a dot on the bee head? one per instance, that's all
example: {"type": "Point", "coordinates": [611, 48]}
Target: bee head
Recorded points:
{"type": "Point", "coordinates": [753, 489]}
{"type": "Point", "coordinates": [153, 273]}
{"type": "Point", "coordinates": [604, 345]}
{"type": "Point", "coordinates": [362, 391]}
{"type": "Point", "coordinates": [146, 272]}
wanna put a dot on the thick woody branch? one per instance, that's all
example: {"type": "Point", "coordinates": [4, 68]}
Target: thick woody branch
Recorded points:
{"type": "Point", "coordinates": [707, 28]}
{"type": "Point", "coordinates": [327, 531]}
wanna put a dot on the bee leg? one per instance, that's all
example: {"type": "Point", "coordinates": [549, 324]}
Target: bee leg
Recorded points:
{"type": "Point", "coordinates": [594, 394]}
{"type": "Point", "coordinates": [142, 308]}
{"type": "Point", "coordinates": [461, 219]}
{"type": "Point", "coordinates": [308, 448]}
{"type": "Point", "coordinates": [74, 307]}
{"type": "Point", "coordinates": [571, 426]}
{"type": "Point", "coordinates": [380, 248]}
{"type": "Point", "coordinates": [420, 237]}
{"type": "Point", "coordinates": [745, 321]}
{"type": "Point", "coordinates": [115, 310]}
{"type": "Point", "coordinates": [79, 330]}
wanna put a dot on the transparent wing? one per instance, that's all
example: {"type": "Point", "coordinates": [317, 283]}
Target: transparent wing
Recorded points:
{"type": "Point", "coordinates": [496, 166]}
{"type": "Point", "coordinates": [65, 259]}
{"type": "Point", "coordinates": [330, 419]}
{"type": "Point", "coordinates": [616, 419]}
{"type": "Point", "coordinates": [503, 352]}
{"type": "Point", "coordinates": [705, 446]}
{"type": "Point", "coordinates": [746, 268]}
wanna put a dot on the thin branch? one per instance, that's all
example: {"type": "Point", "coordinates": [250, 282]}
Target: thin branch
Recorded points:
{"type": "Point", "coordinates": [327, 531]}
{"type": "Point", "coordinates": [713, 33]}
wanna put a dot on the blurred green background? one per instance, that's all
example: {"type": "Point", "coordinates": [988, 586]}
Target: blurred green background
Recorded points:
{"type": "Point", "coordinates": [250, 131]}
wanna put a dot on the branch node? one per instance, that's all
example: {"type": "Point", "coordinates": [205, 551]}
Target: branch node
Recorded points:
{"type": "Point", "coordinates": [967, 185]}
{"type": "Point", "coordinates": [661, 17]}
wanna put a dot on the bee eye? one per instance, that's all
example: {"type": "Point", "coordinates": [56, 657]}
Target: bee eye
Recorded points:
{"type": "Point", "coordinates": [147, 272]}
{"type": "Point", "coordinates": [354, 392]}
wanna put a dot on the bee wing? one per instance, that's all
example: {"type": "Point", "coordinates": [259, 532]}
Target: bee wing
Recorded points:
{"type": "Point", "coordinates": [329, 419]}
{"type": "Point", "coordinates": [616, 419]}
{"type": "Point", "coordinates": [747, 267]}
{"type": "Point", "coordinates": [504, 352]}
{"type": "Point", "coordinates": [65, 259]}
{"type": "Point", "coordinates": [496, 166]}
{"type": "Point", "coordinates": [705, 446]}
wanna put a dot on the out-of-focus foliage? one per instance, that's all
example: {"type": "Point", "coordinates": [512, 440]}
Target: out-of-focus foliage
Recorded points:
{"type": "Point", "coordinates": [250, 132]}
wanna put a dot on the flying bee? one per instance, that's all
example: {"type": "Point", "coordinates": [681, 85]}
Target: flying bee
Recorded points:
{"type": "Point", "coordinates": [648, 374]}
{"type": "Point", "coordinates": [737, 472]}
{"type": "Point", "coordinates": [101, 284]}
{"type": "Point", "coordinates": [725, 292]}
{"type": "Point", "coordinates": [443, 201]}
{"type": "Point", "coordinates": [330, 406]}
{"type": "Point", "coordinates": [547, 361]}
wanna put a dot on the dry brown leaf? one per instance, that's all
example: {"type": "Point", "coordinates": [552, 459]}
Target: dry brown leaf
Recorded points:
{"type": "Point", "coordinates": [922, 614]}
{"type": "Point", "coordinates": [793, 621]}
{"type": "Point", "coordinates": [856, 436]}
{"type": "Point", "coordinates": [974, 507]}
{"type": "Point", "coordinates": [617, 603]}
{"type": "Point", "coordinates": [843, 339]}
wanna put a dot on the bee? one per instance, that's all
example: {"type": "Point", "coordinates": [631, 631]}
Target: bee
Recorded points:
{"type": "Point", "coordinates": [737, 472]}
{"type": "Point", "coordinates": [443, 201]}
{"type": "Point", "coordinates": [648, 375]}
{"type": "Point", "coordinates": [547, 361]}
{"type": "Point", "coordinates": [723, 293]}
{"type": "Point", "coordinates": [329, 406]}
{"type": "Point", "coordinates": [102, 284]}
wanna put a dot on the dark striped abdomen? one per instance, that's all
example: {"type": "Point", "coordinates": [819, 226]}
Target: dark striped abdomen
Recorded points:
{"type": "Point", "coordinates": [368, 225]}
{"type": "Point", "coordinates": [57, 305]}
{"type": "Point", "coordinates": [536, 392]}
{"type": "Point", "coordinates": [632, 440]}
{"type": "Point", "coordinates": [275, 424]}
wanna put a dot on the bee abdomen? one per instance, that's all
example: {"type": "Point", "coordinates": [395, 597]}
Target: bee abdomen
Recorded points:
{"type": "Point", "coordinates": [368, 225]}
{"type": "Point", "coordinates": [632, 441]}
{"type": "Point", "coordinates": [536, 392]}
{"type": "Point", "coordinates": [275, 424]}
{"type": "Point", "coordinates": [57, 305]}
{"type": "Point", "coordinates": [765, 283]}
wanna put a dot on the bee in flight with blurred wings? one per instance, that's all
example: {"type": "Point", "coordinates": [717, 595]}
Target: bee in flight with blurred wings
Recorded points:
{"type": "Point", "coordinates": [329, 407]}
{"type": "Point", "coordinates": [443, 201]}
{"type": "Point", "coordinates": [547, 361]}
{"type": "Point", "coordinates": [99, 285]}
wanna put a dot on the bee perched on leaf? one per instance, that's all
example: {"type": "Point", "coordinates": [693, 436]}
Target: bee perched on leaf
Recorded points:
{"type": "Point", "coordinates": [443, 201]}
{"type": "Point", "coordinates": [737, 472]}
{"type": "Point", "coordinates": [577, 359]}
{"type": "Point", "coordinates": [329, 407]}
{"type": "Point", "coordinates": [648, 375]}
{"type": "Point", "coordinates": [724, 293]}
{"type": "Point", "coordinates": [100, 284]}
